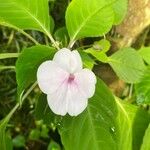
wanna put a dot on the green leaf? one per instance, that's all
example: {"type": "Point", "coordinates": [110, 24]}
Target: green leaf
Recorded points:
{"type": "Point", "coordinates": [128, 65]}
{"type": "Point", "coordinates": [42, 110]}
{"type": "Point", "coordinates": [25, 14]}
{"type": "Point", "coordinates": [106, 123]}
{"type": "Point", "coordinates": [145, 53]}
{"type": "Point", "coordinates": [142, 89]}
{"type": "Point", "coordinates": [34, 134]}
{"type": "Point", "coordinates": [125, 120]}
{"type": "Point", "coordinates": [61, 35]}
{"type": "Point", "coordinates": [103, 45]}
{"type": "Point", "coordinates": [86, 18]}
{"type": "Point", "coordinates": [99, 55]}
{"type": "Point", "coordinates": [88, 62]}
{"type": "Point", "coordinates": [19, 141]}
{"type": "Point", "coordinates": [92, 128]}
{"type": "Point", "coordinates": [146, 145]}
{"type": "Point", "coordinates": [53, 146]}
{"type": "Point", "coordinates": [28, 63]}
{"type": "Point", "coordinates": [120, 10]}
{"type": "Point", "coordinates": [141, 122]}
{"type": "Point", "coordinates": [5, 140]}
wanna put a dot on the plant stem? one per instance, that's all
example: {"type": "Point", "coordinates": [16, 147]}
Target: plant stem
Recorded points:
{"type": "Point", "coordinates": [6, 120]}
{"type": "Point", "coordinates": [52, 39]}
{"type": "Point", "coordinates": [8, 55]}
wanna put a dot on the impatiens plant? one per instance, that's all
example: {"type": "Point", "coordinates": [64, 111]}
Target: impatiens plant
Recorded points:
{"type": "Point", "coordinates": [66, 84]}
{"type": "Point", "coordinates": [68, 96]}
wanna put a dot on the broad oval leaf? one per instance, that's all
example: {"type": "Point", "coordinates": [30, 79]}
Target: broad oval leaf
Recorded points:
{"type": "Point", "coordinates": [25, 14]}
{"type": "Point", "coordinates": [89, 18]}
{"type": "Point", "coordinates": [28, 63]}
{"type": "Point", "coordinates": [92, 128]}
{"type": "Point", "coordinates": [128, 65]}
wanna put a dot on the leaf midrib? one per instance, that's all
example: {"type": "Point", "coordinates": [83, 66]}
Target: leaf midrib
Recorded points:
{"type": "Point", "coordinates": [92, 126]}
{"type": "Point", "coordinates": [87, 19]}
{"type": "Point", "coordinates": [32, 16]}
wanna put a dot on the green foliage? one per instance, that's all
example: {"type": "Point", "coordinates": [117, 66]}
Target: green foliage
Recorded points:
{"type": "Point", "coordinates": [140, 124]}
{"type": "Point", "coordinates": [103, 45]}
{"type": "Point", "coordinates": [19, 141]}
{"type": "Point", "coordinates": [108, 123]}
{"type": "Point", "coordinates": [25, 15]}
{"type": "Point", "coordinates": [28, 63]}
{"type": "Point", "coordinates": [120, 10]}
{"type": "Point", "coordinates": [42, 110]}
{"type": "Point", "coordinates": [145, 144]}
{"type": "Point", "coordinates": [99, 55]}
{"type": "Point", "coordinates": [53, 146]}
{"type": "Point", "coordinates": [145, 53]}
{"type": "Point", "coordinates": [128, 65]}
{"type": "Point", "coordinates": [142, 89]}
{"type": "Point", "coordinates": [88, 62]}
{"type": "Point", "coordinates": [61, 35]}
{"type": "Point", "coordinates": [86, 18]}
{"type": "Point", "coordinates": [92, 129]}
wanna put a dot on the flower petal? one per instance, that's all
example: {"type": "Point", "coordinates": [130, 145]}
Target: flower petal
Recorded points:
{"type": "Point", "coordinates": [77, 102]}
{"type": "Point", "coordinates": [86, 81]}
{"type": "Point", "coordinates": [57, 101]}
{"type": "Point", "coordinates": [68, 60]}
{"type": "Point", "coordinates": [50, 76]}
{"type": "Point", "coordinates": [67, 99]}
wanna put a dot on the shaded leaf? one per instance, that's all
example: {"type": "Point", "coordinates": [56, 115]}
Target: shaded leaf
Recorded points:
{"type": "Point", "coordinates": [142, 89]}
{"type": "Point", "coordinates": [28, 63]}
{"type": "Point", "coordinates": [128, 65]}
{"type": "Point", "coordinates": [145, 53]}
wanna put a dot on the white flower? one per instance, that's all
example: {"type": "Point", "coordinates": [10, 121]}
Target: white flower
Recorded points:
{"type": "Point", "coordinates": [67, 85]}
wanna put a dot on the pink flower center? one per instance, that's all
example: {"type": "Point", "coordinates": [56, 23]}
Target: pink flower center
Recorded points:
{"type": "Point", "coordinates": [71, 78]}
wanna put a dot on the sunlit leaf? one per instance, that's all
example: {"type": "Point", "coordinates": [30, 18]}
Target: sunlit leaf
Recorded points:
{"type": "Point", "coordinates": [120, 9]}
{"type": "Point", "coordinates": [86, 18]}
{"type": "Point", "coordinates": [25, 14]}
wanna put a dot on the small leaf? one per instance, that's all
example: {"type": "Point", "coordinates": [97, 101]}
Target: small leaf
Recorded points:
{"type": "Point", "coordinates": [34, 134]}
{"type": "Point", "coordinates": [142, 88]}
{"type": "Point", "coordinates": [28, 63]}
{"type": "Point", "coordinates": [86, 18]}
{"type": "Point", "coordinates": [145, 53]}
{"type": "Point", "coordinates": [61, 35]}
{"type": "Point", "coordinates": [53, 146]}
{"type": "Point", "coordinates": [88, 62]}
{"type": "Point", "coordinates": [99, 55]}
{"type": "Point", "coordinates": [103, 45]}
{"type": "Point", "coordinates": [128, 65]}
{"type": "Point", "coordinates": [19, 141]}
